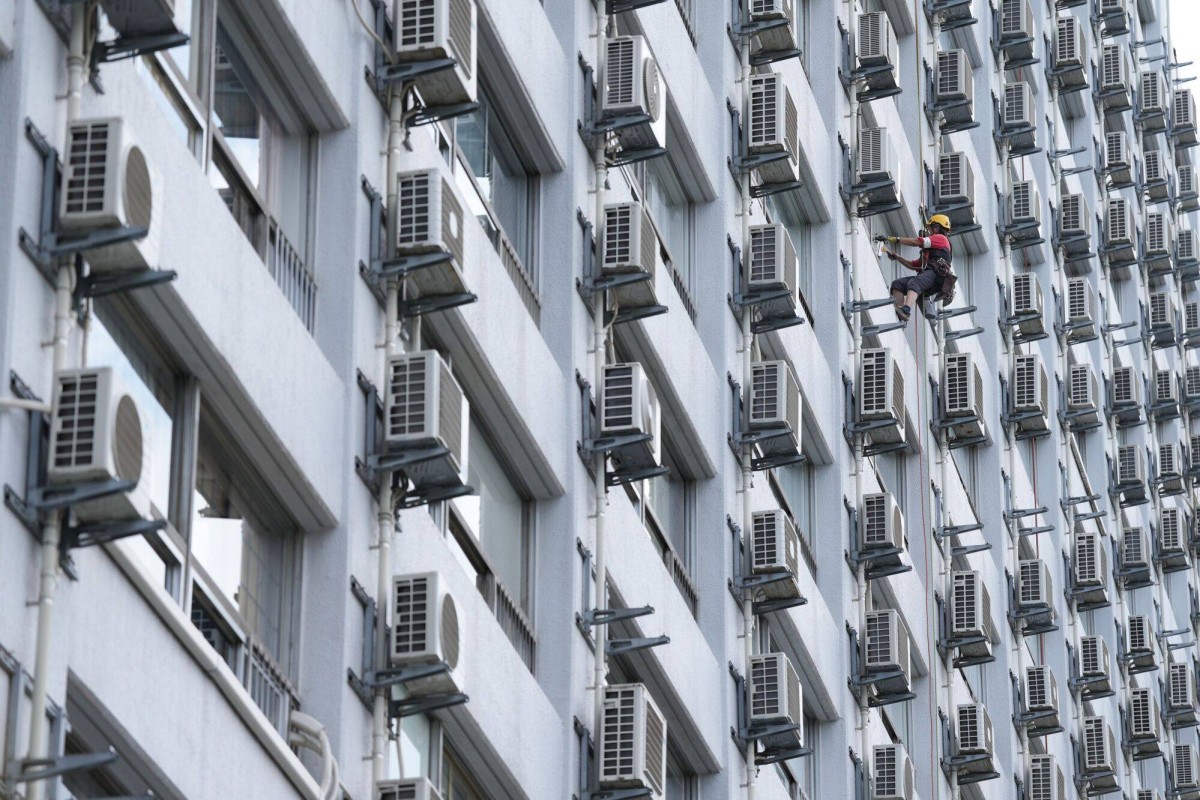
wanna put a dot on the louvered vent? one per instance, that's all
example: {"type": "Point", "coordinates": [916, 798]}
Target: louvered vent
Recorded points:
{"type": "Point", "coordinates": [1045, 778]}
{"type": "Point", "coordinates": [1074, 213]}
{"type": "Point", "coordinates": [1081, 386]}
{"type": "Point", "coordinates": [1022, 202]}
{"type": "Point", "coordinates": [1191, 380]}
{"type": "Point", "coordinates": [954, 176]}
{"type": "Point", "coordinates": [1124, 386]}
{"type": "Point", "coordinates": [1093, 656]}
{"type": "Point", "coordinates": [88, 165]}
{"type": "Point", "coordinates": [1018, 101]}
{"type": "Point", "coordinates": [1152, 92]}
{"type": "Point", "coordinates": [1129, 464]}
{"type": "Point", "coordinates": [1183, 109]}
{"type": "Point", "coordinates": [876, 365]}
{"type": "Point", "coordinates": [1089, 565]}
{"type": "Point", "coordinates": [1033, 579]}
{"type": "Point", "coordinates": [1113, 70]}
{"type": "Point", "coordinates": [1141, 635]}
{"type": "Point", "coordinates": [1118, 221]}
{"type": "Point", "coordinates": [1096, 752]}
{"type": "Point", "coordinates": [1116, 149]}
{"type": "Point", "coordinates": [1068, 44]}
{"type": "Point", "coordinates": [1028, 390]}
{"type": "Point", "coordinates": [1170, 529]}
{"type": "Point", "coordinates": [1134, 549]}
{"type": "Point", "coordinates": [621, 77]}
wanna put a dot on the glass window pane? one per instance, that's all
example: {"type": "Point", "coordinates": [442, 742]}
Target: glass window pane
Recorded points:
{"type": "Point", "coordinates": [103, 351]}
{"type": "Point", "coordinates": [495, 515]}
{"type": "Point", "coordinates": [290, 199]}
{"type": "Point", "coordinates": [237, 115]}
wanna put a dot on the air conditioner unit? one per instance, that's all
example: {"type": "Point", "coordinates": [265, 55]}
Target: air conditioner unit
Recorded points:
{"type": "Point", "coordinates": [1018, 110]}
{"type": "Point", "coordinates": [1083, 394]}
{"type": "Point", "coordinates": [1187, 256]}
{"type": "Point", "coordinates": [140, 18]}
{"type": "Point", "coordinates": [1191, 387]}
{"type": "Point", "coordinates": [432, 30]}
{"type": "Point", "coordinates": [876, 42]}
{"type": "Point", "coordinates": [1044, 778]}
{"type": "Point", "coordinates": [1191, 318]}
{"type": "Point", "coordinates": [425, 630]}
{"type": "Point", "coordinates": [1136, 553]}
{"type": "Point", "coordinates": [1166, 398]}
{"type": "Point", "coordinates": [1121, 233]}
{"type": "Point", "coordinates": [774, 127]}
{"type": "Point", "coordinates": [409, 789]}
{"type": "Point", "coordinates": [775, 550]}
{"type": "Point", "coordinates": [891, 773]}
{"type": "Point", "coordinates": [954, 86]}
{"type": "Point", "coordinates": [1181, 693]}
{"type": "Point", "coordinates": [1017, 31]}
{"type": "Point", "coordinates": [886, 650]}
{"type": "Point", "coordinates": [429, 219]}
{"type": "Point", "coordinates": [1095, 664]}
{"type": "Point", "coordinates": [1131, 468]}
{"type": "Point", "coordinates": [1100, 751]}
{"type": "Point", "coordinates": [96, 435]}
{"type": "Point", "coordinates": [1156, 169]}
{"type": "Point", "coordinates": [1028, 304]}
{"type": "Point", "coordinates": [1024, 210]}
{"type": "Point", "coordinates": [877, 161]}
{"type": "Point", "coordinates": [1172, 535]}
{"type": "Point", "coordinates": [1081, 309]}
{"type": "Point", "coordinates": [1188, 191]}
{"type": "Point", "coordinates": [1149, 794]}
{"type": "Point", "coordinates": [1145, 725]}
{"type": "Point", "coordinates": [962, 393]}
{"type": "Point", "coordinates": [773, 267]}
{"type": "Point", "coordinates": [628, 244]}
{"type": "Point", "coordinates": [1159, 236]}
{"type": "Point", "coordinates": [1187, 771]}
{"type": "Point", "coordinates": [108, 183]}
{"type": "Point", "coordinates": [633, 87]}
{"type": "Point", "coordinates": [1041, 698]}
{"type": "Point", "coordinates": [425, 407]}
{"type": "Point", "coordinates": [1140, 643]}
{"type": "Point", "coordinates": [974, 728]}
{"type": "Point", "coordinates": [970, 612]}
{"type": "Point", "coordinates": [1118, 162]}
{"type": "Point", "coordinates": [1170, 468]}
{"type": "Point", "coordinates": [1152, 100]}
{"type": "Point", "coordinates": [775, 695]}
{"type": "Point", "coordinates": [1075, 224]}
{"type": "Point", "coordinates": [1183, 116]}
{"type": "Point", "coordinates": [1090, 568]}
{"type": "Point", "coordinates": [881, 393]}
{"type": "Point", "coordinates": [1115, 16]}
{"type": "Point", "coordinates": [1035, 590]}
{"type": "Point", "coordinates": [632, 746]}
{"type": "Point", "coordinates": [1194, 452]}
{"type": "Point", "coordinates": [1030, 392]}
{"type": "Point", "coordinates": [955, 180]}
{"type": "Point", "coordinates": [1114, 76]}
{"type": "Point", "coordinates": [1070, 51]}
{"type": "Point", "coordinates": [629, 405]}
{"type": "Point", "coordinates": [882, 522]}
{"type": "Point", "coordinates": [775, 407]}
{"type": "Point", "coordinates": [1126, 389]}
{"type": "Point", "coordinates": [1162, 312]}
{"type": "Point", "coordinates": [776, 37]}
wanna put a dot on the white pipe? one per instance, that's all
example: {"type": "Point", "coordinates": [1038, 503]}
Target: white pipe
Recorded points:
{"type": "Point", "coordinates": [599, 336]}
{"type": "Point", "coordinates": [25, 405]}
{"type": "Point", "coordinates": [748, 450]}
{"type": "Point", "coordinates": [863, 597]}
{"type": "Point", "coordinates": [386, 519]}
{"type": "Point", "coordinates": [51, 531]}
{"type": "Point", "coordinates": [306, 731]}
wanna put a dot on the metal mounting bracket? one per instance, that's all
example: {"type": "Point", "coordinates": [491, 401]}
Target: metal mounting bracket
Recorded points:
{"type": "Point", "coordinates": [37, 769]}
{"type": "Point", "coordinates": [620, 647]}
{"type": "Point", "coordinates": [425, 704]}
{"type": "Point", "coordinates": [132, 46]}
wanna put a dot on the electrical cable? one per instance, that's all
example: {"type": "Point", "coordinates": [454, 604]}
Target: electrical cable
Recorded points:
{"type": "Point", "coordinates": [371, 31]}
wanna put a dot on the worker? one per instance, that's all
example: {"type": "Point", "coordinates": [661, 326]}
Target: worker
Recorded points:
{"type": "Point", "coordinates": [935, 273]}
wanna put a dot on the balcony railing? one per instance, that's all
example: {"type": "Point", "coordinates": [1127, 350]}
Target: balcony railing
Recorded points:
{"type": "Point", "coordinates": [293, 276]}
{"type": "Point", "coordinates": [513, 622]}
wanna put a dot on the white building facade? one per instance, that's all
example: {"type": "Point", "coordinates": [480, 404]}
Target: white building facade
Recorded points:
{"type": "Point", "coordinates": [347, 344]}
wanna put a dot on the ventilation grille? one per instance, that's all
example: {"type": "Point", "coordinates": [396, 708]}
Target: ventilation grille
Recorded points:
{"type": "Point", "coordinates": [1039, 692]}
{"type": "Point", "coordinates": [953, 175]}
{"type": "Point", "coordinates": [1067, 44]}
{"type": "Point", "coordinates": [1095, 744]}
{"type": "Point", "coordinates": [1022, 200]}
{"type": "Point", "coordinates": [1017, 100]}
{"type": "Point", "coordinates": [1093, 656]}
{"type": "Point", "coordinates": [1129, 464]}
{"type": "Point", "coordinates": [1078, 295]}
{"type": "Point", "coordinates": [1140, 634]}
{"type": "Point", "coordinates": [78, 403]}
{"type": "Point", "coordinates": [967, 602]}
{"type": "Point", "coordinates": [618, 234]}
{"type": "Point", "coordinates": [416, 21]}
{"type": "Point", "coordinates": [1081, 385]}
{"type": "Point", "coordinates": [1033, 574]}
{"type": "Point", "coordinates": [953, 79]}
{"type": "Point", "coordinates": [1185, 241]}
{"type": "Point", "coordinates": [88, 167]}
{"type": "Point", "coordinates": [1118, 221]}
{"type": "Point", "coordinates": [1187, 179]}
{"type": "Point", "coordinates": [1185, 766]}
{"type": "Point", "coordinates": [1024, 291]}
{"type": "Point", "coordinates": [1170, 529]}
{"type": "Point", "coordinates": [414, 224]}
{"type": "Point", "coordinates": [1156, 232]}
{"type": "Point", "coordinates": [1013, 20]}
{"type": "Point", "coordinates": [1074, 211]}
{"type": "Point", "coordinates": [1191, 380]}
{"type": "Point", "coordinates": [1142, 713]}
{"type": "Point", "coordinates": [620, 411]}
{"type": "Point", "coordinates": [413, 605]}
{"type": "Point", "coordinates": [1124, 386]}
{"type": "Point", "coordinates": [1088, 565]}
{"type": "Point", "coordinates": [1027, 382]}
{"type": "Point", "coordinates": [875, 518]}
{"type": "Point", "coordinates": [410, 386]}
{"type": "Point", "coordinates": [1133, 547]}
{"type": "Point", "coordinates": [1183, 109]}
{"type": "Point", "coordinates": [620, 75]}
{"type": "Point", "coordinates": [886, 774]}
{"type": "Point", "coordinates": [870, 150]}
{"type": "Point", "coordinates": [1113, 68]}
{"type": "Point", "coordinates": [1151, 97]}
{"type": "Point", "coordinates": [875, 367]}
{"type": "Point", "coordinates": [1116, 149]}
{"type": "Point", "coordinates": [971, 722]}
{"type": "Point", "coordinates": [766, 93]}
{"type": "Point", "coordinates": [1042, 778]}
{"type": "Point", "coordinates": [1179, 686]}
{"type": "Point", "coordinates": [462, 34]}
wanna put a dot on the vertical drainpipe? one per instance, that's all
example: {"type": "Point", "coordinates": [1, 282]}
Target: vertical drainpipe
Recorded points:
{"type": "Point", "coordinates": [51, 531]}
{"type": "Point", "coordinates": [747, 386]}
{"type": "Point", "coordinates": [599, 337]}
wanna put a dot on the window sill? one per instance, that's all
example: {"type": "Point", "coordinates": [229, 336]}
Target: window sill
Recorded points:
{"type": "Point", "coordinates": [211, 663]}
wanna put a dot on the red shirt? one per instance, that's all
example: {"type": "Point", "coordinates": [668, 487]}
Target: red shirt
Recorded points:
{"type": "Point", "coordinates": [938, 241]}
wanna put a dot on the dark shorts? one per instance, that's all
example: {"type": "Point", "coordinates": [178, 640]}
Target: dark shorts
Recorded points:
{"type": "Point", "coordinates": [925, 283]}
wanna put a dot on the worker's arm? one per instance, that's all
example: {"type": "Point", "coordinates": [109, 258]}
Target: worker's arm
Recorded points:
{"type": "Point", "coordinates": [910, 264]}
{"type": "Point", "coordinates": [910, 241]}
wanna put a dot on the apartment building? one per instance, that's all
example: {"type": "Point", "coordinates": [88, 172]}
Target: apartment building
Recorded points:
{"type": "Point", "coordinates": [502, 399]}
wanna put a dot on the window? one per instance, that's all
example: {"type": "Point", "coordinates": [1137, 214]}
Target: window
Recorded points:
{"type": "Point", "coordinates": [682, 783]}
{"type": "Point", "coordinates": [456, 783]}
{"type": "Point", "coordinates": [497, 516]}
{"type": "Point", "coordinates": [665, 504]}
{"type": "Point", "coordinates": [491, 533]}
{"type": "Point", "coordinates": [795, 488]}
{"type": "Point", "coordinates": [674, 216]}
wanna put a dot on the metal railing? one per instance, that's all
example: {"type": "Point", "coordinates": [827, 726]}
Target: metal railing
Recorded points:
{"type": "Point", "coordinates": [684, 295]}
{"type": "Point", "coordinates": [292, 275]}
{"type": "Point", "coordinates": [519, 275]}
{"type": "Point", "coordinates": [513, 622]}
{"type": "Point", "coordinates": [683, 580]}
{"type": "Point", "coordinates": [269, 688]}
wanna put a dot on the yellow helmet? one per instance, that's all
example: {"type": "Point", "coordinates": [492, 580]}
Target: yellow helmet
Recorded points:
{"type": "Point", "coordinates": [939, 219]}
